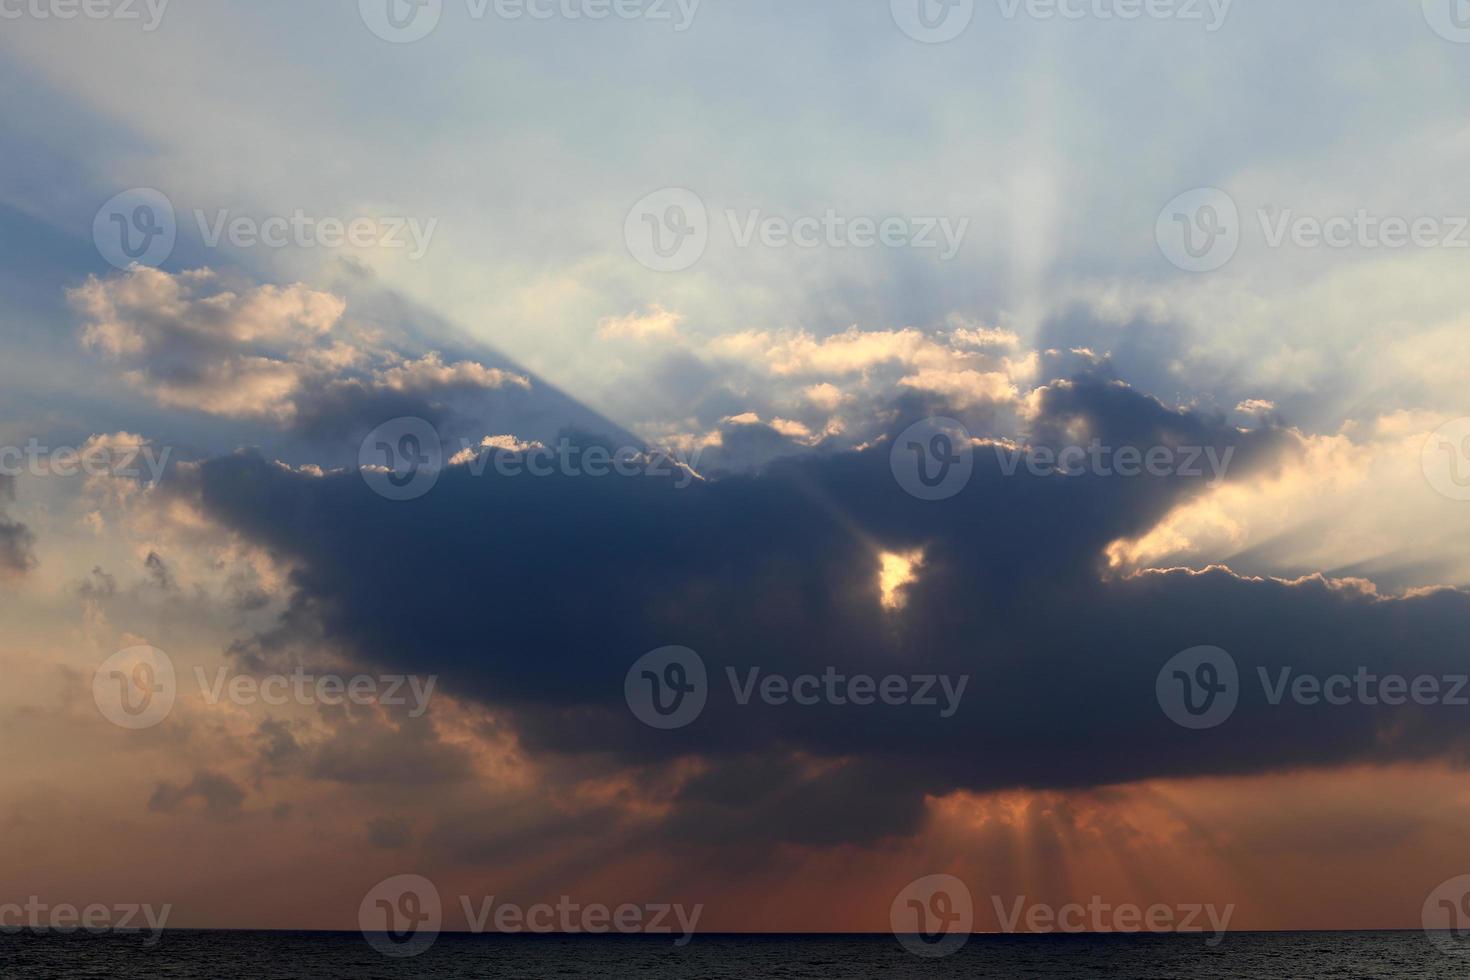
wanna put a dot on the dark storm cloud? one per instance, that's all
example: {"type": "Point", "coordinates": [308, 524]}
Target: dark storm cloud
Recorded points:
{"type": "Point", "coordinates": [535, 595]}
{"type": "Point", "coordinates": [16, 540]}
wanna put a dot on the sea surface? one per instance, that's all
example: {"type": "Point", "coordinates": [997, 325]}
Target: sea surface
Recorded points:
{"type": "Point", "coordinates": [214, 955]}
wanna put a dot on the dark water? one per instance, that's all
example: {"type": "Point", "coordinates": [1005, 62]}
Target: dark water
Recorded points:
{"type": "Point", "coordinates": [346, 956]}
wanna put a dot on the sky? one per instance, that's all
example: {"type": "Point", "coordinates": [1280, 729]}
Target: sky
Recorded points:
{"type": "Point", "coordinates": [616, 382]}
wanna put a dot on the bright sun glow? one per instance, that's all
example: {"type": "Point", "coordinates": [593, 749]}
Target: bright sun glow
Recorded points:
{"type": "Point", "coordinates": [896, 571]}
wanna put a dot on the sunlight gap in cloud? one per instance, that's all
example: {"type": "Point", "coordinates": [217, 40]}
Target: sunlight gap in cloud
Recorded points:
{"type": "Point", "coordinates": [895, 571]}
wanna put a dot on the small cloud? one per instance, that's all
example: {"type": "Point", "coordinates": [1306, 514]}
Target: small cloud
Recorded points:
{"type": "Point", "coordinates": [220, 795]}
{"type": "Point", "coordinates": [964, 388]}
{"type": "Point", "coordinates": [158, 569]}
{"type": "Point", "coordinates": [1256, 406]}
{"type": "Point", "coordinates": [656, 324]}
{"type": "Point", "coordinates": [429, 373]}
{"type": "Point", "coordinates": [100, 586]}
{"type": "Point", "coordinates": [504, 443]}
{"type": "Point", "coordinates": [824, 396]}
{"type": "Point", "coordinates": [985, 337]}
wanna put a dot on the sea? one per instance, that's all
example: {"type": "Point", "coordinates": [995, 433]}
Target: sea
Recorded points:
{"type": "Point", "coordinates": [220, 955]}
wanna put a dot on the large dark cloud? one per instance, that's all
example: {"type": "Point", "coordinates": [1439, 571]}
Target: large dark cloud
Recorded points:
{"type": "Point", "coordinates": [535, 595]}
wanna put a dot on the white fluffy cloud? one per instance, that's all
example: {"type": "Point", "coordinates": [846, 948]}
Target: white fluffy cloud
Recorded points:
{"type": "Point", "coordinates": [657, 323]}
{"type": "Point", "coordinates": [193, 340]}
